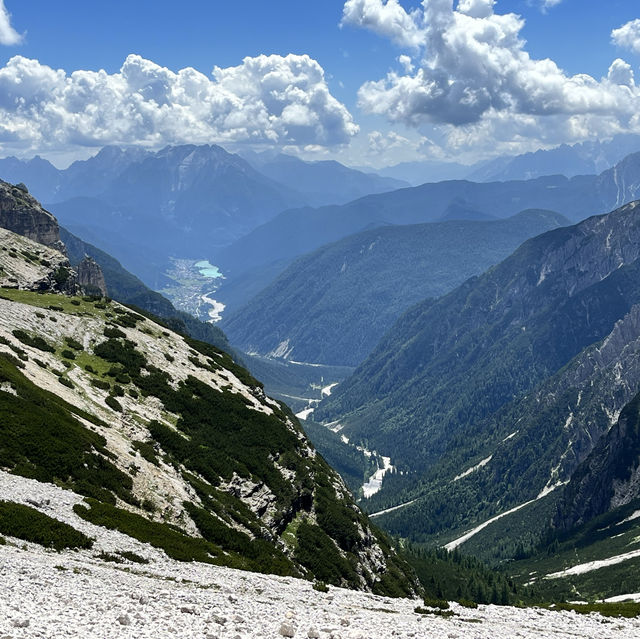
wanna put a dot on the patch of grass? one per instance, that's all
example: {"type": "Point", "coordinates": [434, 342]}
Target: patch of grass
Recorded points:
{"type": "Point", "coordinates": [31, 525]}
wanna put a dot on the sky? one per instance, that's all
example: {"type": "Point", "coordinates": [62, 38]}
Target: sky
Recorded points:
{"type": "Point", "coordinates": [367, 82]}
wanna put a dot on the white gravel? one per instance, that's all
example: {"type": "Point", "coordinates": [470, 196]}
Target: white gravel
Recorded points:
{"type": "Point", "coordinates": [53, 595]}
{"type": "Point", "coordinates": [46, 594]}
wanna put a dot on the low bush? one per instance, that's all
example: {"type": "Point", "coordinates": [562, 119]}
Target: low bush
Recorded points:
{"type": "Point", "coordinates": [35, 341]}
{"type": "Point", "coordinates": [31, 525]}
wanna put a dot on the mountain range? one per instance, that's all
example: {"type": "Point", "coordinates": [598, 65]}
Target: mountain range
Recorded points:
{"type": "Point", "coordinates": [333, 305]}
{"type": "Point", "coordinates": [489, 398]}
{"type": "Point", "coordinates": [266, 251]}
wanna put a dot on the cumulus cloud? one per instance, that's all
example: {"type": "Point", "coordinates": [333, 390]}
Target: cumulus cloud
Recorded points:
{"type": "Point", "coordinates": [8, 35]}
{"type": "Point", "coordinates": [474, 69]}
{"type": "Point", "coordinates": [387, 18]}
{"type": "Point", "coordinates": [628, 36]}
{"type": "Point", "coordinates": [267, 99]}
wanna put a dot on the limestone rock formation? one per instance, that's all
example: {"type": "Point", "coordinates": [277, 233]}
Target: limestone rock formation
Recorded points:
{"type": "Point", "coordinates": [23, 214]}
{"type": "Point", "coordinates": [91, 278]}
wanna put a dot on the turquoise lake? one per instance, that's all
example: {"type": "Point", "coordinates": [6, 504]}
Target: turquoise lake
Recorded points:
{"type": "Point", "coordinates": [207, 269]}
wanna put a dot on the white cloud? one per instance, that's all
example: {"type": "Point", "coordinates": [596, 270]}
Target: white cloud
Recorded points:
{"type": "Point", "coordinates": [549, 4]}
{"type": "Point", "coordinates": [628, 36]}
{"type": "Point", "coordinates": [267, 99]}
{"type": "Point", "coordinates": [474, 72]}
{"type": "Point", "coordinates": [387, 18]}
{"type": "Point", "coordinates": [8, 35]}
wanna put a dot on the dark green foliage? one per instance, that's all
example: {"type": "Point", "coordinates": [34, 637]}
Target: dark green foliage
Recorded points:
{"type": "Point", "coordinates": [455, 577]}
{"type": "Point", "coordinates": [430, 602]}
{"type": "Point", "coordinates": [438, 612]}
{"type": "Point", "coordinates": [320, 586]}
{"type": "Point", "coordinates": [101, 384]}
{"type": "Point", "coordinates": [114, 333]}
{"type": "Point", "coordinates": [61, 276]}
{"type": "Point", "coordinates": [121, 352]}
{"type": "Point", "coordinates": [316, 552]}
{"type": "Point", "coordinates": [68, 354]}
{"type": "Point", "coordinates": [113, 403]}
{"type": "Point", "coordinates": [175, 543]}
{"type": "Point", "coordinates": [65, 381]}
{"type": "Point", "coordinates": [35, 341]}
{"type": "Point", "coordinates": [29, 524]}
{"type": "Point", "coordinates": [73, 343]}
{"type": "Point", "coordinates": [132, 556]}
{"type": "Point", "coordinates": [40, 438]}
{"type": "Point", "coordinates": [259, 554]}
{"type": "Point", "coordinates": [336, 519]}
{"type": "Point", "coordinates": [147, 451]}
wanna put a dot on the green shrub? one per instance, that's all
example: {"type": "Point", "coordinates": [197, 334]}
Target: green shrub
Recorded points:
{"type": "Point", "coordinates": [101, 384]}
{"type": "Point", "coordinates": [147, 451]}
{"type": "Point", "coordinates": [113, 333]}
{"type": "Point", "coordinates": [35, 341]}
{"type": "Point", "coordinates": [113, 403]}
{"type": "Point", "coordinates": [61, 276]}
{"type": "Point", "coordinates": [316, 552]}
{"type": "Point", "coordinates": [68, 354]}
{"type": "Point", "coordinates": [42, 439]}
{"type": "Point", "coordinates": [65, 381]}
{"type": "Point", "coordinates": [174, 542]}
{"type": "Point", "coordinates": [429, 602]}
{"type": "Point", "coordinates": [31, 525]}
{"type": "Point", "coordinates": [320, 586]}
{"type": "Point", "coordinates": [74, 344]}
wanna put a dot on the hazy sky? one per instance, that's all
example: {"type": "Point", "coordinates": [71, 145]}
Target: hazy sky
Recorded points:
{"type": "Point", "coordinates": [365, 81]}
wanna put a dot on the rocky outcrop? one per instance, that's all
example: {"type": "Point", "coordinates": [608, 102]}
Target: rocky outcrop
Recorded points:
{"type": "Point", "coordinates": [23, 214]}
{"type": "Point", "coordinates": [609, 477]}
{"type": "Point", "coordinates": [91, 278]}
{"type": "Point", "coordinates": [29, 265]}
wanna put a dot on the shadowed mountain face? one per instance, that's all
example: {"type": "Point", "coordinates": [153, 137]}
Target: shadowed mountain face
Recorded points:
{"type": "Point", "coordinates": [334, 305]}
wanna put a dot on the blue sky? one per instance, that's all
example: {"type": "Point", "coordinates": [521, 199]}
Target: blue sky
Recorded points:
{"type": "Point", "coordinates": [356, 121]}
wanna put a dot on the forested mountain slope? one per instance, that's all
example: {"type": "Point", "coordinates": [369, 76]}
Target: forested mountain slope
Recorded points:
{"type": "Point", "coordinates": [333, 306]}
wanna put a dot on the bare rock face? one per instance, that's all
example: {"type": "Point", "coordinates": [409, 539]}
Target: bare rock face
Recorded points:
{"type": "Point", "coordinates": [91, 278]}
{"type": "Point", "coordinates": [29, 265]}
{"type": "Point", "coordinates": [23, 214]}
